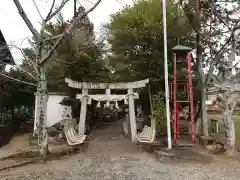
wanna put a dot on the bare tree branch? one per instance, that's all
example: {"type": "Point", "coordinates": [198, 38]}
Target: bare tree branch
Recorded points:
{"type": "Point", "coordinates": [18, 80]}
{"type": "Point", "coordinates": [58, 9]}
{"type": "Point", "coordinates": [68, 30]}
{"type": "Point", "coordinates": [22, 68]}
{"type": "Point", "coordinates": [215, 61]}
{"type": "Point", "coordinates": [235, 65]}
{"type": "Point", "coordinates": [29, 61]}
{"type": "Point", "coordinates": [50, 11]}
{"type": "Point", "coordinates": [25, 71]}
{"type": "Point", "coordinates": [222, 51]}
{"type": "Point", "coordinates": [32, 63]}
{"type": "Point", "coordinates": [44, 22]}
{"type": "Point", "coordinates": [214, 10]}
{"type": "Point", "coordinates": [60, 35]}
{"type": "Point", "coordinates": [53, 38]}
{"type": "Point", "coordinates": [26, 19]}
{"type": "Point", "coordinates": [35, 4]}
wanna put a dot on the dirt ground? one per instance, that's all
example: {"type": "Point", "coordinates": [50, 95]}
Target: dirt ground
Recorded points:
{"type": "Point", "coordinates": [111, 156]}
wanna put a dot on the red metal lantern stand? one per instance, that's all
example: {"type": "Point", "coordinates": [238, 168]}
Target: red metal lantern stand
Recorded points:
{"type": "Point", "coordinates": [188, 99]}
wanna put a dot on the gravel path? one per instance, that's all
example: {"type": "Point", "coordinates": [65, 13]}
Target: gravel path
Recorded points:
{"type": "Point", "coordinates": [115, 158]}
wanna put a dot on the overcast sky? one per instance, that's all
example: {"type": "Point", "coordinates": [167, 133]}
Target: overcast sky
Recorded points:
{"type": "Point", "coordinates": [15, 31]}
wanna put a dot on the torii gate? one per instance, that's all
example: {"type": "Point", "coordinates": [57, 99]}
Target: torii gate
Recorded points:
{"type": "Point", "coordinates": [86, 98]}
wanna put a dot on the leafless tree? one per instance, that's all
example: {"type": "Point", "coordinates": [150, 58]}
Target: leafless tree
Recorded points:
{"type": "Point", "coordinates": [43, 56]}
{"type": "Point", "coordinates": [223, 42]}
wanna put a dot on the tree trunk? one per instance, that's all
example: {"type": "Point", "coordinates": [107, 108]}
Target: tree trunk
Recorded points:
{"type": "Point", "coordinates": [202, 88]}
{"type": "Point", "coordinates": [42, 132]}
{"type": "Point", "coordinates": [229, 129]}
{"type": "Point", "coordinates": [204, 123]}
{"type": "Point", "coordinates": [197, 119]}
{"type": "Point", "coordinates": [201, 84]}
{"type": "Point", "coordinates": [229, 102]}
{"type": "Point", "coordinates": [197, 112]}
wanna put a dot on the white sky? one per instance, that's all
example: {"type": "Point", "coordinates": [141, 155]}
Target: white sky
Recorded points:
{"type": "Point", "coordinates": [15, 30]}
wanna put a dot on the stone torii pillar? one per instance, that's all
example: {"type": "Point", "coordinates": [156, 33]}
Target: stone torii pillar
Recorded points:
{"type": "Point", "coordinates": [132, 116]}
{"type": "Point", "coordinates": [83, 112]}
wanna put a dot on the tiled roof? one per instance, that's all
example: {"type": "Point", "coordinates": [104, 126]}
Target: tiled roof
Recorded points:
{"type": "Point", "coordinates": [5, 54]}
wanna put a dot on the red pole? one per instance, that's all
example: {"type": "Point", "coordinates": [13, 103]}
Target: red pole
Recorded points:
{"type": "Point", "coordinates": [170, 94]}
{"type": "Point", "coordinates": [175, 96]}
{"type": "Point", "coordinates": [191, 95]}
{"type": "Point", "coordinates": [178, 119]}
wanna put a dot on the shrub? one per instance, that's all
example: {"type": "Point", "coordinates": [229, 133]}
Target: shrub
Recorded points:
{"type": "Point", "coordinates": [5, 118]}
{"type": "Point", "coordinates": [159, 112]}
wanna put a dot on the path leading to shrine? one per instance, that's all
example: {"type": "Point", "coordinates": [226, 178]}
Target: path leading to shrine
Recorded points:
{"type": "Point", "coordinates": [111, 157]}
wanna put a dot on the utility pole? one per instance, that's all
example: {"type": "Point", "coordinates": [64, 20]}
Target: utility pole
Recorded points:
{"type": "Point", "coordinates": [166, 75]}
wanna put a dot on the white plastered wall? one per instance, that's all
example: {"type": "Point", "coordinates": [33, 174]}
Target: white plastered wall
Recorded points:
{"type": "Point", "coordinates": [55, 111]}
